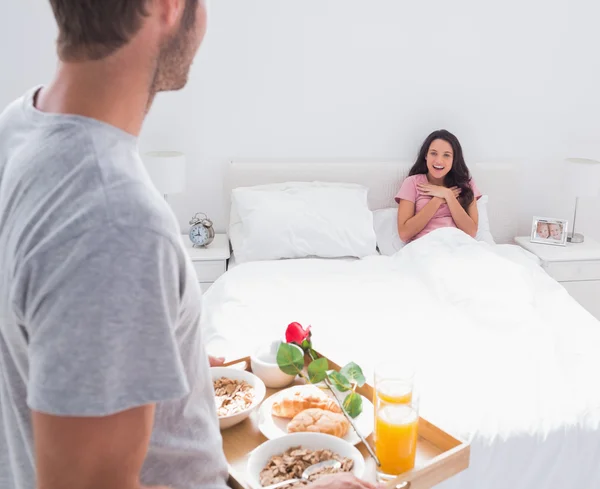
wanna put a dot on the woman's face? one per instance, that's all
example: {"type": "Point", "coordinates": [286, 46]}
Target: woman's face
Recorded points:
{"type": "Point", "coordinates": [439, 158]}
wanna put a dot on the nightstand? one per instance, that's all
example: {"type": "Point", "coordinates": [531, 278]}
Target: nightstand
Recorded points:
{"type": "Point", "coordinates": [575, 266]}
{"type": "Point", "coordinates": [210, 262]}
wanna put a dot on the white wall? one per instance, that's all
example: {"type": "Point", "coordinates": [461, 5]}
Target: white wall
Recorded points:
{"type": "Point", "coordinates": [514, 80]}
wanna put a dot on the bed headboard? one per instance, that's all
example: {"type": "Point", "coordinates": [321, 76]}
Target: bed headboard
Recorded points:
{"type": "Point", "coordinates": [383, 178]}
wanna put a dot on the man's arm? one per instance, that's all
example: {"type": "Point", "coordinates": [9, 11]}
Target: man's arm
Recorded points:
{"type": "Point", "coordinates": [102, 352]}
{"type": "Point", "coordinates": [92, 452]}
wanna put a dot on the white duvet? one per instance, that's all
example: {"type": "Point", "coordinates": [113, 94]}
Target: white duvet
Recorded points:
{"type": "Point", "coordinates": [505, 357]}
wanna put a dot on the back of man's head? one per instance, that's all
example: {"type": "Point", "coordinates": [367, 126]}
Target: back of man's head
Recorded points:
{"type": "Point", "coordinates": [95, 29]}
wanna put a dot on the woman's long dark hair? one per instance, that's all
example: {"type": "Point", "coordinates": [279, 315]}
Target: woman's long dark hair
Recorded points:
{"type": "Point", "coordinates": [458, 176]}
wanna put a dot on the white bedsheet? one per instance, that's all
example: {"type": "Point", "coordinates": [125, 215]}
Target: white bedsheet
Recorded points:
{"type": "Point", "coordinates": [506, 358]}
{"type": "Point", "coordinates": [232, 262]}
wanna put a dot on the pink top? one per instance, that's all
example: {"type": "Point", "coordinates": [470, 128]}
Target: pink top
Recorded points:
{"type": "Point", "coordinates": [442, 218]}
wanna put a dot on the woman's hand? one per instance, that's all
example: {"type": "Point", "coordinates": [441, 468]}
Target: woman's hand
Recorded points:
{"type": "Point", "coordinates": [455, 192]}
{"type": "Point", "coordinates": [438, 191]}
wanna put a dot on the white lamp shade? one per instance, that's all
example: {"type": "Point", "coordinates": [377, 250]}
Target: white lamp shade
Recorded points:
{"type": "Point", "coordinates": [583, 177]}
{"type": "Point", "coordinates": [166, 170]}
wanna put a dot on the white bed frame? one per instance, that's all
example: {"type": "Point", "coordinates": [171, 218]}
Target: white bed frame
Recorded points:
{"type": "Point", "coordinates": [383, 178]}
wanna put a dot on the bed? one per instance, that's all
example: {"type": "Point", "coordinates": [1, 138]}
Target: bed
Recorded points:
{"type": "Point", "coordinates": [505, 357]}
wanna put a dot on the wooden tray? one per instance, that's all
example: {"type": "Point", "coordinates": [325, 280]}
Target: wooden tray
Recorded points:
{"type": "Point", "coordinates": [439, 455]}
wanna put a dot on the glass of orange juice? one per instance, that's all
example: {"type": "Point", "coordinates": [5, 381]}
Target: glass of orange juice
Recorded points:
{"type": "Point", "coordinates": [396, 419]}
{"type": "Point", "coordinates": [394, 382]}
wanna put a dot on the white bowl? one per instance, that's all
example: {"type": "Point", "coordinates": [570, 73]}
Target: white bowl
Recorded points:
{"type": "Point", "coordinates": [236, 374]}
{"type": "Point", "coordinates": [264, 365]}
{"type": "Point", "coordinates": [313, 441]}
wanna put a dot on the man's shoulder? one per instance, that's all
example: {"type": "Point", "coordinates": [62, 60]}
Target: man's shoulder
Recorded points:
{"type": "Point", "coordinates": [107, 177]}
{"type": "Point", "coordinates": [135, 205]}
{"type": "Point", "coordinates": [85, 176]}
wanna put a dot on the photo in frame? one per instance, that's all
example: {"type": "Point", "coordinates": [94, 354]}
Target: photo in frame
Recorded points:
{"type": "Point", "coordinates": [550, 231]}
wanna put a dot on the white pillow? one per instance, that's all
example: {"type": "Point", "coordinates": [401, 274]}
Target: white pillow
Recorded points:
{"type": "Point", "coordinates": [483, 226]}
{"type": "Point", "coordinates": [385, 222]}
{"type": "Point", "coordinates": [299, 219]}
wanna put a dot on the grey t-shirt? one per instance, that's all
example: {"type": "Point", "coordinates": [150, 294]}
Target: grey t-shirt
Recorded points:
{"type": "Point", "coordinates": [99, 304]}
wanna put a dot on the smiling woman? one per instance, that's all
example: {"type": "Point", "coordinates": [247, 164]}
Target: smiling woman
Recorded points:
{"type": "Point", "coordinates": [439, 191]}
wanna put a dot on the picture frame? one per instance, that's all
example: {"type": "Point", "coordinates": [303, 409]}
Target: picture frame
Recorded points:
{"type": "Point", "coordinates": [549, 231]}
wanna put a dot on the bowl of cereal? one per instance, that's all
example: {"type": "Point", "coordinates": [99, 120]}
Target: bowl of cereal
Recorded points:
{"type": "Point", "coordinates": [287, 457]}
{"type": "Point", "coordinates": [237, 394]}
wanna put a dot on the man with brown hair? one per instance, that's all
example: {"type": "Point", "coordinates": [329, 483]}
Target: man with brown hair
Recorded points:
{"type": "Point", "coordinates": [104, 380]}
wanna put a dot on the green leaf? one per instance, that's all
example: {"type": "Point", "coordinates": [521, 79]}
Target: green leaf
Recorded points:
{"type": "Point", "coordinates": [290, 359]}
{"type": "Point", "coordinates": [306, 345]}
{"type": "Point", "coordinates": [353, 405]}
{"type": "Point", "coordinates": [354, 373]}
{"type": "Point", "coordinates": [340, 382]}
{"type": "Point", "coordinates": [317, 370]}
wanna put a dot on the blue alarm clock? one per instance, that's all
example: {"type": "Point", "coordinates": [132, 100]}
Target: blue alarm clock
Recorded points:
{"type": "Point", "coordinates": [201, 232]}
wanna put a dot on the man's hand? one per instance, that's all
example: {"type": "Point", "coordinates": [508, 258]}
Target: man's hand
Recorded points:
{"type": "Point", "coordinates": [215, 361]}
{"type": "Point", "coordinates": [344, 480]}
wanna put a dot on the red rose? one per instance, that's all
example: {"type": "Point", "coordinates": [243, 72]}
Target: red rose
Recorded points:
{"type": "Point", "coordinates": [295, 333]}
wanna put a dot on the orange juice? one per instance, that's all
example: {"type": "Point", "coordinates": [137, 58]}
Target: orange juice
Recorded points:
{"type": "Point", "coordinates": [396, 438]}
{"type": "Point", "coordinates": [394, 392]}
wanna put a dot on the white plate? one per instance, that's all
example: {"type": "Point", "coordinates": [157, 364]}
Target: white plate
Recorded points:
{"type": "Point", "coordinates": [275, 427]}
{"type": "Point", "coordinates": [313, 441]}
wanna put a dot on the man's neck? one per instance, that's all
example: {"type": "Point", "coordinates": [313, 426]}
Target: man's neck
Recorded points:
{"type": "Point", "coordinates": [107, 90]}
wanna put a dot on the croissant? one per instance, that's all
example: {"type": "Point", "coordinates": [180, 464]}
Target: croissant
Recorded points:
{"type": "Point", "coordinates": [320, 421]}
{"type": "Point", "coordinates": [295, 402]}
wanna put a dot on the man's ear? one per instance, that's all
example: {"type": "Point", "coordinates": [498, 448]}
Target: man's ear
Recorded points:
{"type": "Point", "coordinates": [170, 13]}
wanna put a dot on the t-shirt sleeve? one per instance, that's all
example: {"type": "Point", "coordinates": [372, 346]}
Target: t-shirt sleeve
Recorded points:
{"type": "Point", "coordinates": [100, 312]}
{"type": "Point", "coordinates": [477, 194]}
{"type": "Point", "coordinates": [408, 190]}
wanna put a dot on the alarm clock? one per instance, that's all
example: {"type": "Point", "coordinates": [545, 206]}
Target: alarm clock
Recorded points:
{"type": "Point", "coordinates": [202, 232]}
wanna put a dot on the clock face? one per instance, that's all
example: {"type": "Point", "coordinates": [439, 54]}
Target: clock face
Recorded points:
{"type": "Point", "coordinates": [199, 235]}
